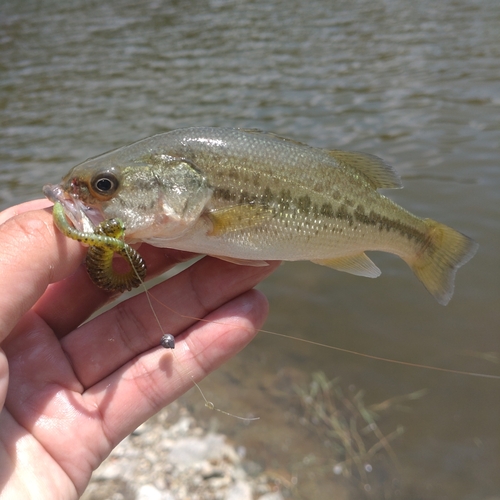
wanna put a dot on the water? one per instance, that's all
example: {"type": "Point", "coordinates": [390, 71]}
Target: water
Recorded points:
{"type": "Point", "coordinates": [416, 83]}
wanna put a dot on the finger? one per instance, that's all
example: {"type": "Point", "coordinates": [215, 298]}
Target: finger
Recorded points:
{"type": "Point", "coordinates": [68, 303]}
{"type": "Point", "coordinates": [102, 345]}
{"type": "Point", "coordinates": [155, 379]}
{"type": "Point", "coordinates": [33, 254]}
{"type": "Point", "coordinates": [28, 206]}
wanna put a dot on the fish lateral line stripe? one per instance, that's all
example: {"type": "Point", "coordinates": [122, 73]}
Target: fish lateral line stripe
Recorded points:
{"type": "Point", "coordinates": [285, 202]}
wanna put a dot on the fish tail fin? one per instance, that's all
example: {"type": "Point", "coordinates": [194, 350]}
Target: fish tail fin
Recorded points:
{"type": "Point", "coordinates": [445, 250]}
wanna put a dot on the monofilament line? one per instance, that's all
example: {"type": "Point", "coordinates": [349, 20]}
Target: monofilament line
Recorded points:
{"type": "Point", "coordinates": [168, 342]}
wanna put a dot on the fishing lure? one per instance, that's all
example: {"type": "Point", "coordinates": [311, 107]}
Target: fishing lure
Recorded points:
{"type": "Point", "coordinates": [104, 242]}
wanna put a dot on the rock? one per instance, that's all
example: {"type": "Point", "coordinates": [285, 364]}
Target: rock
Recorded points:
{"type": "Point", "coordinates": [179, 461]}
{"type": "Point", "coordinates": [149, 492]}
{"type": "Point", "coordinates": [275, 495]}
{"type": "Point", "coordinates": [241, 490]}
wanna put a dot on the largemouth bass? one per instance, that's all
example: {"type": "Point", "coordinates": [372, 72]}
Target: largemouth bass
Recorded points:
{"type": "Point", "coordinates": [247, 197]}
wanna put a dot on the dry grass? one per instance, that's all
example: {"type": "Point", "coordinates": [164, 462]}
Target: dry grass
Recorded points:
{"type": "Point", "coordinates": [351, 427]}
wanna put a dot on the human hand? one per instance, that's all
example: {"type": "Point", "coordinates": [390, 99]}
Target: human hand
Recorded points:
{"type": "Point", "coordinates": [70, 393]}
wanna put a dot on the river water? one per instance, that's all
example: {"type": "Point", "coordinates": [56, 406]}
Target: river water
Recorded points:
{"type": "Point", "coordinates": [417, 83]}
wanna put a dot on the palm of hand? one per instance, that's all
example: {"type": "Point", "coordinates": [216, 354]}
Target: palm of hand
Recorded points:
{"type": "Point", "coordinates": [73, 392]}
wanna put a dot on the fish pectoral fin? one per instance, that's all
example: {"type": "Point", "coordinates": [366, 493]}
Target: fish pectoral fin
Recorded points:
{"type": "Point", "coordinates": [358, 264]}
{"type": "Point", "coordinates": [235, 218]}
{"type": "Point", "coordinates": [374, 168]}
{"type": "Point", "coordinates": [242, 262]}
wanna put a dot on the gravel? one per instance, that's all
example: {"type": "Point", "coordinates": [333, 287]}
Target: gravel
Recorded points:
{"type": "Point", "coordinates": [162, 460]}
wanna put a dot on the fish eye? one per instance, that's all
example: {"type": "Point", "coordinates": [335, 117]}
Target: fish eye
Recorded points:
{"type": "Point", "coordinates": [104, 184]}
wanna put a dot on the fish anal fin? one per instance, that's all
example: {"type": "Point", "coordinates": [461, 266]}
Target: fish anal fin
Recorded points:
{"type": "Point", "coordinates": [374, 168]}
{"type": "Point", "coordinates": [237, 217]}
{"type": "Point", "coordinates": [358, 264]}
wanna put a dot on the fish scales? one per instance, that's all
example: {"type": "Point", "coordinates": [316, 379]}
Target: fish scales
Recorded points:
{"type": "Point", "coordinates": [255, 169]}
{"type": "Point", "coordinates": [247, 196]}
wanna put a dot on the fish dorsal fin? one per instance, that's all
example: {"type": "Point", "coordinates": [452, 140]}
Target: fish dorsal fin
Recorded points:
{"type": "Point", "coordinates": [272, 135]}
{"type": "Point", "coordinates": [237, 217]}
{"type": "Point", "coordinates": [358, 264]}
{"type": "Point", "coordinates": [374, 168]}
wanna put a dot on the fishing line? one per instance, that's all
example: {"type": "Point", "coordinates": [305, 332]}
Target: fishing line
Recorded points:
{"type": "Point", "coordinates": [106, 240]}
{"type": "Point", "coordinates": [340, 349]}
{"type": "Point", "coordinates": [168, 342]}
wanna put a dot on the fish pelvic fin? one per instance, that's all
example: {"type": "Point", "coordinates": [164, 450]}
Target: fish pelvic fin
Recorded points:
{"type": "Point", "coordinates": [358, 264]}
{"type": "Point", "coordinates": [437, 263]}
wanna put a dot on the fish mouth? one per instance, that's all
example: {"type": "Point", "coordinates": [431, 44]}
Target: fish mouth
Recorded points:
{"type": "Point", "coordinates": [83, 218]}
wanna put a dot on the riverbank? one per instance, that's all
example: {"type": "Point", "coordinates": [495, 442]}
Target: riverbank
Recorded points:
{"type": "Point", "coordinates": [170, 457]}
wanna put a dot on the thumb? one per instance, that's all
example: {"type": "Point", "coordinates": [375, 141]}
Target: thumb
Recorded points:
{"type": "Point", "coordinates": [33, 254]}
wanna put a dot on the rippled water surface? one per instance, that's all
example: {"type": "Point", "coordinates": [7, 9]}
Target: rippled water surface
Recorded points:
{"type": "Point", "coordinates": [416, 83]}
